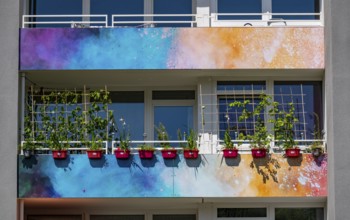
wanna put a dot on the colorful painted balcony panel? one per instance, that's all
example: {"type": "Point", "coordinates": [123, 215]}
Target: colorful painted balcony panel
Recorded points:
{"type": "Point", "coordinates": [171, 48]}
{"type": "Point", "coordinates": [209, 175]}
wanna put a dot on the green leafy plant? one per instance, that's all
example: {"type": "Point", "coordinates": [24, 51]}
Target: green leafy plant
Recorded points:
{"type": "Point", "coordinates": [284, 122]}
{"type": "Point", "coordinates": [162, 135]}
{"type": "Point", "coordinates": [228, 140]}
{"type": "Point", "coordinates": [318, 135]}
{"type": "Point", "coordinates": [55, 120]}
{"type": "Point", "coordinates": [191, 141]}
{"type": "Point", "coordinates": [147, 147]}
{"type": "Point", "coordinates": [96, 119]}
{"type": "Point", "coordinates": [124, 136]}
{"type": "Point", "coordinates": [261, 138]}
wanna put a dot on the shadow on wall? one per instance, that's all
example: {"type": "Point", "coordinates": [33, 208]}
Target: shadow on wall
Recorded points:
{"type": "Point", "coordinates": [266, 167]}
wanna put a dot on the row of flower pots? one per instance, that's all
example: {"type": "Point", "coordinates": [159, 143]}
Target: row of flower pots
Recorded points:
{"type": "Point", "coordinates": [260, 153]}
{"type": "Point", "coordinates": [172, 153]}
{"type": "Point", "coordinates": [125, 154]}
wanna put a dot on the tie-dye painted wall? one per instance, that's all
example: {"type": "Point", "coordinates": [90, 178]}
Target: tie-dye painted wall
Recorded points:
{"type": "Point", "coordinates": [208, 176]}
{"type": "Point", "coordinates": [171, 48]}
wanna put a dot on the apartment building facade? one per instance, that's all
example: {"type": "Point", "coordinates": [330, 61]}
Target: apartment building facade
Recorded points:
{"type": "Point", "coordinates": [181, 64]}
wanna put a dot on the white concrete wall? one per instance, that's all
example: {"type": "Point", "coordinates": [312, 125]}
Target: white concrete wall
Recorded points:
{"type": "Point", "coordinates": [9, 23]}
{"type": "Point", "coordinates": [337, 31]}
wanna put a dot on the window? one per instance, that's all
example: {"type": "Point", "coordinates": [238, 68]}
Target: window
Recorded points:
{"type": "Point", "coordinates": [299, 213]}
{"type": "Point", "coordinates": [128, 107]}
{"type": "Point", "coordinates": [173, 7]}
{"type": "Point", "coordinates": [54, 217]}
{"type": "Point", "coordinates": [111, 7]}
{"type": "Point", "coordinates": [296, 6]}
{"type": "Point", "coordinates": [117, 217]}
{"type": "Point", "coordinates": [175, 110]}
{"type": "Point", "coordinates": [175, 217]}
{"type": "Point", "coordinates": [306, 97]}
{"type": "Point", "coordinates": [307, 100]}
{"type": "Point", "coordinates": [55, 7]}
{"type": "Point", "coordinates": [239, 6]}
{"type": "Point", "coordinates": [241, 212]}
{"type": "Point", "coordinates": [228, 92]}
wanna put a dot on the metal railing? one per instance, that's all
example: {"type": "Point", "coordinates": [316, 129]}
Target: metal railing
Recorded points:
{"type": "Point", "coordinates": [218, 144]}
{"type": "Point", "coordinates": [105, 148]}
{"type": "Point", "coordinates": [72, 20]}
{"type": "Point", "coordinates": [171, 20]}
{"type": "Point", "coordinates": [148, 19]}
{"type": "Point", "coordinates": [265, 19]}
{"type": "Point", "coordinates": [245, 145]}
{"type": "Point", "coordinates": [154, 142]}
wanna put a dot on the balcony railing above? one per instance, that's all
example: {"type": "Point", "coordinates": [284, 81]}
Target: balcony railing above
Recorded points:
{"type": "Point", "coordinates": [175, 20]}
{"type": "Point", "coordinates": [74, 21]}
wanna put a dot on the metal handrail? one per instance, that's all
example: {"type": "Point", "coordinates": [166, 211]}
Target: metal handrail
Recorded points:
{"type": "Point", "coordinates": [114, 143]}
{"type": "Point", "coordinates": [272, 144]}
{"type": "Point", "coordinates": [144, 22]}
{"type": "Point", "coordinates": [65, 142]}
{"type": "Point", "coordinates": [103, 22]}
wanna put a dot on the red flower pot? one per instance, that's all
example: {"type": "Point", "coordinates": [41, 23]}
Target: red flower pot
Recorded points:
{"type": "Point", "coordinates": [121, 154]}
{"type": "Point", "coordinates": [230, 153]}
{"type": "Point", "coordinates": [191, 154]}
{"type": "Point", "coordinates": [293, 152]}
{"type": "Point", "coordinates": [59, 154]}
{"type": "Point", "coordinates": [259, 153]}
{"type": "Point", "coordinates": [146, 154]}
{"type": "Point", "coordinates": [169, 153]}
{"type": "Point", "coordinates": [94, 154]}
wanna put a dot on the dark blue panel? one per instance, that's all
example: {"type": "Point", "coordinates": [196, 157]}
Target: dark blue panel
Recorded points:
{"type": "Point", "coordinates": [296, 6]}
{"type": "Point", "coordinates": [241, 85]}
{"type": "Point", "coordinates": [239, 6]}
{"type": "Point", "coordinates": [174, 118]}
{"type": "Point", "coordinates": [55, 7]}
{"type": "Point", "coordinates": [172, 7]}
{"type": "Point", "coordinates": [111, 7]}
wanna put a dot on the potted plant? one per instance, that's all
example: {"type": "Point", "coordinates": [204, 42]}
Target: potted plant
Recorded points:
{"type": "Point", "coordinates": [123, 151]}
{"type": "Point", "coordinates": [96, 122]}
{"type": "Point", "coordinates": [95, 148]}
{"type": "Point", "coordinates": [316, 147]}
{"type": "Point", "coordinates": [191, 150]}
{"type": "Point", "coordinates": [29, 145]}
{"type": "Point", "coordinates": [229, 150]}
{"type": "Point", "coordinates": [284, 129]}
{"type": "Point", "coordinates": [146, 151]}
{"type": "Point", "coordinates": [58, 148]}
{"type": "Point", "coordinates": [168, 152]}
{"type": "Point", "coordinates": [260, 139]}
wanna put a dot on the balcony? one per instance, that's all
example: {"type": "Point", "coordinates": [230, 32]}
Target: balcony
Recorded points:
{"type": "Point", "coordinates": [175, 20]}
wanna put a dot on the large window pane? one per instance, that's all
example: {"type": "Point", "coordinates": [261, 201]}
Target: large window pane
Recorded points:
{"type": "Point", "coordinates": [172, 7]}
{"type": "Point", "coordinates": [296, 6]}
{"type": "Point", "coordinates": [307, 100]}
{"type": "Point", "coordinates": [231, 91]}
{"type": "Point", "coordinates": [55, 7]}
{"type": "Point", "coordinates": [229, 116]}
{"type": "Point", "coordinates": [174, 217]}
{"type": "Point", "coordinates": [129, 108]}
{"type": "Point", "coordinates": [174, 118]}
{"type": "Point", "coordinates": [117, 217]}
{"type": "Point", "coordinates": [116, 7]}
{"type": "Point", "coordinates": [239, 6]}
{"type": "Point", "coordinates": [299, 213]}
